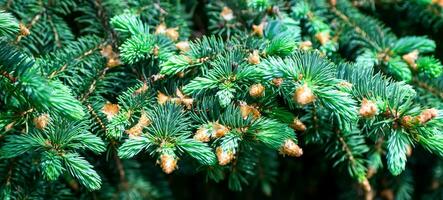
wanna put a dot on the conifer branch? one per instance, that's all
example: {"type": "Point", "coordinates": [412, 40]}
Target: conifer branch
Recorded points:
{"type": "Point", "coordinates": [54, 30]}
{"type": "Point", "coordinates": [104, 20]}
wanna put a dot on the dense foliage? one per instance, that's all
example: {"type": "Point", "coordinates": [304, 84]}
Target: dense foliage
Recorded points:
{"type": "Point", "coordinates": [158, 99]}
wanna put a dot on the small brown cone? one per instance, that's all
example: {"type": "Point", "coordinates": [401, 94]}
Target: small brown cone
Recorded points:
{"type": "Point", "coordinates": [24, 31]}
{"type": "Point", "coordinates": [168, 163]}
{"type": "Point", "coordinates": [333, 2]}
{"type": "Point", "coordinates": [224, 157]}
{"type": "Point", "coordinates": [183, 46]}
{"type": "Point", "coordinates": [41, 121]}
{"type": "Point", "coordinates": [254, 58]}
{"type": "Point", "coordinates": [368, 108]}
{"type": "Point", "coordinates": [303, 95]}
{"type": "Point", "coordinates": [227, 14]}
{"type": "Point", "coordinates": [410, 58]}
{"type": "Point", "coordinates": [298, 125]}
{"type": "Point", "coordinates": [258, 29]}
{"type": "Point", "coordinates": [323, 37]}
{"type": "Point", "coordinates": [289, 148]}
{"type": "Point", "coordinates": [305, 45]}
{"type": "Point", "coordinates": [172, 33]}
{"type": "Point", "coordinates": [256, 90]}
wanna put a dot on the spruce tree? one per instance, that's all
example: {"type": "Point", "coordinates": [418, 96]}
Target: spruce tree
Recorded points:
{"type": "Point", "coordinates": [214, 99]}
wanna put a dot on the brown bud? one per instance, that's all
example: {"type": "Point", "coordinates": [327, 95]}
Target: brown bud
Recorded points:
{"type": "Point", "coordinates": [112, 57]}
{"type": "Point", "coordinates": [333, 2]}
{"type": "Point", "coordinates": [256, 90]}
{"type": "Point", "coordinates": [113, 62]}
{"type": "Point", "coordinates": [407, 121]}
{"type": "Point", "coordinates": [41, 121]}
{"type": "Point", "coordinates": [187, 102]}
{"type": "Point", "coordinates": [155, 50]}
{"type": "Point", "coordinates": [427, 115]}
{"type": "Point", "coordinates": [202, 135]}
{"type": "Point", "coordinates": [219, 130]}
{"type": "Point", "coordinates": [137, 129]}
{"type": "Point", "coordinates": [289, 148]}
{"type": "Point", "coordinates": [110, 110]}
{"type": "Point", "coordinates": [258, 29]}
{"type": "Point", "coordinates": [24, 31]}
{"type": "Point", "coordinates": [168, 163]}
{"type": "Point", "coordinates": [227, 14]}
{"type": "Point", "coordinates": [323, 37]}
{"type": "Point", "coordinates": [224, 157]}
{"type": "Point", "coordinates": [142, 89]}
{"type": "Point", "coordinates": [106, 51]}
{"type": "Point", "coordinates": [172, 33]}
{"type": "Point", "coordinates": [277, 81]}
{"type": "Point", "coordinates": [305, 45]}
{"type": "Point", "coordinates": [254, 58]}
{"type": "Point", "coordinates": [246, 110]}
{"type": "Point", "coordinates": [303, 95]}
{"type": "Point", "coordinates": [298, 125]}
{"type": "Point", "coordinates": [181, 74]}
{"type": "Point", "coordinates": [162, 98]}
{"type": "Point", "coordinates": [160, 29]}
{"type": "Point", "coordinates": [183, 99]}
{"type": "Point", "coordinates": [183, 46]}
{"type": "Point", "coordinates": [410, 58]}
{"type": "Point", "coordinates": [368, 108]}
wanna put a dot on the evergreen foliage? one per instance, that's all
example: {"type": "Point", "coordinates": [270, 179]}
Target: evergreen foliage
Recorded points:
{"type": "Point", "coordinates": [109, 99]}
